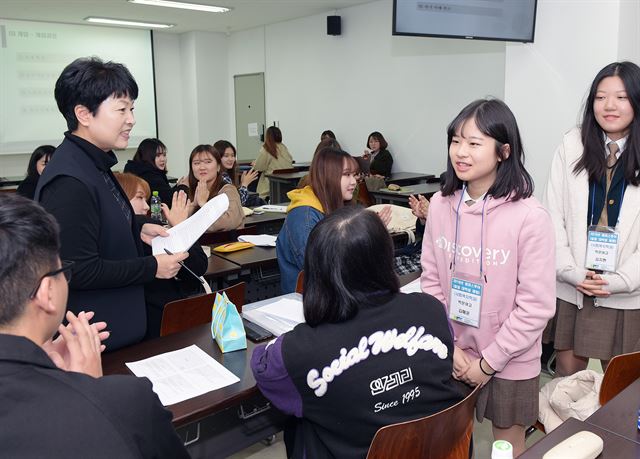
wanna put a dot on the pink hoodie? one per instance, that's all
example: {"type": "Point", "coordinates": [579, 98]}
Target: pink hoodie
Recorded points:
{"type": "Point", "coordinates": [520, 291]}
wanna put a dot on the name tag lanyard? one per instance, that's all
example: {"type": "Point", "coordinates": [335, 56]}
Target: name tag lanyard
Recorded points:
{"type": "Point", "coordinates": [465, 297]}
{"type": "Point", "coordinates": [602, 241]}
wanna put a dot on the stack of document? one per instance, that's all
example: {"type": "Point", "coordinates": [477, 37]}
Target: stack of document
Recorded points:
{"type": "Point", "coordinates": [279, 316]}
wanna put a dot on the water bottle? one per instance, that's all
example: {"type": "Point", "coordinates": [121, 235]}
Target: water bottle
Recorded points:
{"type": "Point", "coordinates": [501, 449]}
{"type": "Point", "coordinates": [156, 208]}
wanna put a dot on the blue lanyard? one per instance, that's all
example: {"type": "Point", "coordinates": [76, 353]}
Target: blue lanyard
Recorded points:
{"type": "Point", "coordinates": [593, 201]}
{"type": "Point", "coordinates": [453, 264]}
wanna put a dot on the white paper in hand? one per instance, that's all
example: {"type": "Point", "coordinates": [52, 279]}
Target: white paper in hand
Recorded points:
{"type": "Point", "coordinates": [184, 235]}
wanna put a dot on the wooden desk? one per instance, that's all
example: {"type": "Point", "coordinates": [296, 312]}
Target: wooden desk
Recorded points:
{"type": "Point", "coordinates": [620, 415]}
{"type": "Point", "coordinates": [226, 420]}
{"type": "Point", "coordinates": [250, 258]}
{"type": "Point", "coordinates": [302, 165]}
{"type": "Point", "coordinates": [401, 198]}
{"type": "Point", "coordinates": [220, 270]}
{"type": "Point", "coordinates": [281, 184]}
{"type": "Point", "coordinates": [12, 180]}
{"type": "Point", "coordinates": [266, 223]}
{"type": "Point", "coordinates": [408, 178]}
{"type": "Point", "coordinates": [615, 446]}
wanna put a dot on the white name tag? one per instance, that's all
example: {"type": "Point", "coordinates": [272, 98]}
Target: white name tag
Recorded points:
{"type": "Point", "coordinates": [465, 301]}
{"type": "Point", "coordinates": [602, 250]}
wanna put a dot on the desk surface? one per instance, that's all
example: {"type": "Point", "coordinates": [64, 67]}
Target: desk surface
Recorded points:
{"type": "Point", "coordinates": [620, 415]}
{"type": "Point", "coordinates": [255, 219]}
{"type": "Point", "coordinates": [615, 447]}
{"type": "Point", "coordinates": [249, 258]}
{"type": "Point", "coordinates": [198, 407]}
{"type": "Point", "coordinates": [289, 176]}
{"type": "Point", "coordinates": [220, 267]}
{"type": "Point", "coordinates": [408, 177]}
{"type": "Point", "coordinates": [420, 188]}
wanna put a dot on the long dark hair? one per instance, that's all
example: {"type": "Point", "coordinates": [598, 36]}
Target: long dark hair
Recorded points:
{"type": "Point", "coordinates": [593, 158]}
{"type": "Point", "coordinates": [38, 153]}
{"type": "Point", "coordinates": [326, 175]}
{"type": "Point", "coordinates": [272, 138]}
{"type": "Point", "coordinates": [148, 150]}
{"type": "Point", "coordinates": [494, 119]}
{"type": "Point", "coordinates": [349, 242]}
{"type": "Point", "coordinates": [221, 146]}
{"type": "Point", "coordinates": [193, 182]}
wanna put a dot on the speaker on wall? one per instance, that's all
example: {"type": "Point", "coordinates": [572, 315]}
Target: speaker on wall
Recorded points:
{"type": "Point", "coordinates": [333, 25]}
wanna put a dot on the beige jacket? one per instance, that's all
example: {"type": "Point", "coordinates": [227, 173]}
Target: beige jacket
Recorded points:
{"type": "Point", "coordinates": [266, 164]}
{"type": "Point", "coordinates": [566, 198]}
{"type": "Point", "coordinates": [233, 218]}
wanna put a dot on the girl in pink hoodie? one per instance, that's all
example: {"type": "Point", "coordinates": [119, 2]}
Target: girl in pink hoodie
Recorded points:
{"type": "Point", "coordinates": [488, 256]}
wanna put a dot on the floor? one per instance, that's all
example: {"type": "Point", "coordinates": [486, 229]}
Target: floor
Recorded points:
{"type": "Point", "coordinates": [482, 436]}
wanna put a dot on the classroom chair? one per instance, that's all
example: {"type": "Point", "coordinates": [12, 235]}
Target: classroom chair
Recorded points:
{"type": "Point", "coordinates": [300, 283]}
{"type": "Point", "coordinates": [443, 435]}
{"type": "Point", "coordinates": [183, 314]}
{"type": "Point", "coordinates": [622, 370]}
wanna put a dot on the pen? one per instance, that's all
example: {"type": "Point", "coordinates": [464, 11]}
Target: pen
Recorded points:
{"type": "Point", "coordinates": [185, 267]}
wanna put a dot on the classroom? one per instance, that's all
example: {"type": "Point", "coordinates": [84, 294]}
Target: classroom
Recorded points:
{"type": "Point", "coordinates": [361, 80]}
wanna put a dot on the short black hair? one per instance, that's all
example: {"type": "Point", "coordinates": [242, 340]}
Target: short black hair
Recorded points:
{"type": "Point", "coordinates": [38, 153]}
{"type": "Point", "coordinates": [148, 150]}
{"type": "Point", "coordinates": [349, 256]}
{"type": "Point", "coordinates": [29, 247]}
{"type": "Point", "coordinates": [89, 81]}
{"type": "Point", "coordinates": [494, 119]}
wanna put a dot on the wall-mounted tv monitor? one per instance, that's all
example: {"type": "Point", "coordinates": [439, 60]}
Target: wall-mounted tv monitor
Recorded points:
{"type": "Point", "coordinates": [505, 20]}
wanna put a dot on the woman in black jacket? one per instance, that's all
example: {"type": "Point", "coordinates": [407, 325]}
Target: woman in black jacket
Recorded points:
{"type": "Point", "coordinates": [150, 164]}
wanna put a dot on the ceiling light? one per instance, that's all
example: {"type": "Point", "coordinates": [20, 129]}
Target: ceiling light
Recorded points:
{"type": "Point", "coordinates": [183, 5]}
{"type": "Point", "coordinates": [148, 25]}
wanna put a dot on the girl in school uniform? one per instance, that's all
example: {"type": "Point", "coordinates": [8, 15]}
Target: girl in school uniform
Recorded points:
{"type": "Point", "coordinates": [205, 182]}
{"type": "Point", "coordinates": [230, 170]}
{"type": "Point", "coordinates": [272, 156]}
{"type": "Point", "coordinates": [594, 201]}
{"type": "Point", "coordinates": [487, 251]}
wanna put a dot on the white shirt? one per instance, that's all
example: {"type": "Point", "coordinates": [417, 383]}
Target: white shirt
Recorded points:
{"type": "Point", "coordinates": [466, 197]}
{"type": "Point", "coordinates": [621, 144]}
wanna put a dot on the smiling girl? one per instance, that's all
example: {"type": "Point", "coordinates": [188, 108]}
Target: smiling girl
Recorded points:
{"type": "Point", "coordinates": [486, 255]}
{"type": "Point", "coordinates": [230, 170]}
{"type": "Point", "coordinates": [205, 182]}
{"type": "Point", "coordinates": [333, 181]}
{"type": "Point", "coordinates": [150, 164]}
{"type": "Point", "coordinates": [594, 201]}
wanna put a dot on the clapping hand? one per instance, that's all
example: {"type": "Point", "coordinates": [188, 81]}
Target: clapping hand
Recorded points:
{"type": "Point", "coordinates": [180, 209]}
{"type": "Point", "coordinates": [419, 207]}
{"type": "Point", "coordinates": [247, 177]}
{"type": "Point", "coordinates": [202, 193]}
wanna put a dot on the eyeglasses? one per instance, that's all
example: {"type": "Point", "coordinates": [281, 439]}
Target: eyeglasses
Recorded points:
{"type": "Point", "coordinates": [66, 270]}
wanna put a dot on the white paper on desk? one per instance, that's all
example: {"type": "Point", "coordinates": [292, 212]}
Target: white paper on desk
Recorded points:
{"type": "Point", "coordinates": [262, 240]}
{"type": "Point", "coordinates": [183, 374]}
{"type": "Point", "coordinates": [412, 287]}
{"type": "Point", "coordinates": [278, 317]}
{"type": "Point", "coordinates": [184, 235]}
{"type": "Point", "coordinates": [272, 208]}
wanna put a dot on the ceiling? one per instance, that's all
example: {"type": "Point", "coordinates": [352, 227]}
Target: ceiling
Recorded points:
{"type": "Point", "coordinates": [245, 14]}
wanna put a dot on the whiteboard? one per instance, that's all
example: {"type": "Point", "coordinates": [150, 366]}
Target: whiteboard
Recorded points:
{"type": "Point", "coordinates": [32, 56]}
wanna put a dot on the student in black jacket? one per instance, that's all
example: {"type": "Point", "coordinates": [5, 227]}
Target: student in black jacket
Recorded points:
{"type": "Point", "coordinates": [38, 161]}
{"type": "Point", "coordinates": [98, 228]}
{"type": "Point", "coordinates": [377, 153]}
{"type": "Point", "coordinates": [55, 400]}
{"type": "Point", "coordinates": [367, 356]}
{"type": "Point", "coordinates": [150, 164]}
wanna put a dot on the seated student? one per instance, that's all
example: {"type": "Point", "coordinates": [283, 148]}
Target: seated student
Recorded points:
{"type": "Point", "coordinates": [230, 171]}
{"type": "Point", "coordinates": [55, 401]}
{"type": "Point", "coordinates": [38, 161]}
{"type": "Point", "coordinates": [205, 182]}
{"type": "Point", "coordinates": [272, 156]}
{"type": "Point", "coordinates": [377, 153]}
{"type": "Point", "coordinates": [326, 142]}
{"type": "Point", "coordinates": [98, 228]}
{"type": "Point", "coordinates": [159, 292]}
{"type": "Point", "coordinates": [150, 164]}
{"type": "Point", "coordinates": [332, 184]}
{"type": "Point", "coordinates": [326, 135]}
{"type": "Point", "coordinates": [329, 372]}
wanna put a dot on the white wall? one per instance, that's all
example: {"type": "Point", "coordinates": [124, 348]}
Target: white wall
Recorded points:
{"type": "Point", "coordinates": [366, 80]}
{"type": "Point", "coordinates": [546, 82]}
